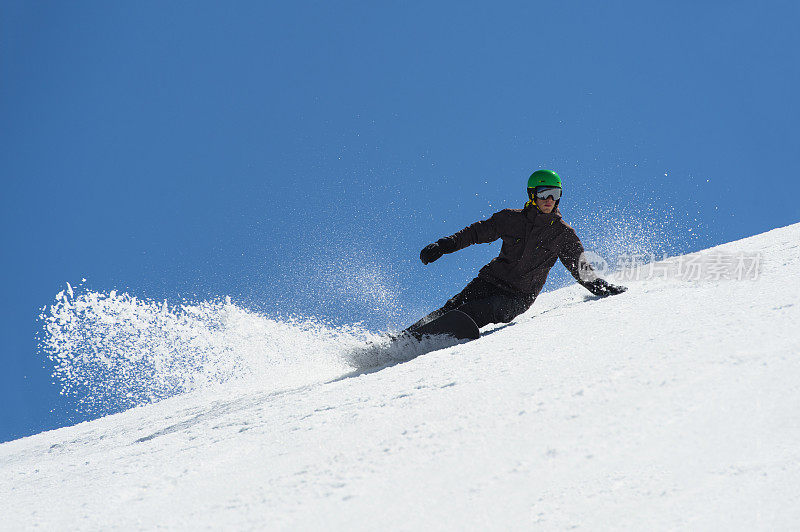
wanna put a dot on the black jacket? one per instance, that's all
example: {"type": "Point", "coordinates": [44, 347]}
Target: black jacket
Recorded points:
{"type": "Point", "coordinates": [532, 241]}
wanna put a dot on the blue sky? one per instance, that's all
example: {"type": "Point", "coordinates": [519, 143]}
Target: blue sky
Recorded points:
{"type": "Point", "coordinates": [195, 150]}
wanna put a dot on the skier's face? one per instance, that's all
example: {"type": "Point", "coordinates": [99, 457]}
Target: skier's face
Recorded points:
{"type": "Point", "coordinates": [546, 205]}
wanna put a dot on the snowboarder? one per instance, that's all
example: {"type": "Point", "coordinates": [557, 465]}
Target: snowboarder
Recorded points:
{"type": "Point", "coordinates": [533, 238]}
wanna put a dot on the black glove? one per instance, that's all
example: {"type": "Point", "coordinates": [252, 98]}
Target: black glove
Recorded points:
{"type": "Point", "coordinates": [432, 252]}
{"type": "Point", "coordinates": [602, 288]}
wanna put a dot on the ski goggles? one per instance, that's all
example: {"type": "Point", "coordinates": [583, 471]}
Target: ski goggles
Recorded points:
{"type": "Point", "coordinates": [543, 193]}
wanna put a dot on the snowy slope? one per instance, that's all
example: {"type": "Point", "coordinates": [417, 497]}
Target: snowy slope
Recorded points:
{"type": "Point", "coordinates": [675, 404]}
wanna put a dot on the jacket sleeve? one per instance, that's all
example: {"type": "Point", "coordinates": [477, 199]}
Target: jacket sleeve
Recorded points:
{"type": "Point", "coordinates": [478, 233]}
{"type": "Point", "coordinates": [571, 255]}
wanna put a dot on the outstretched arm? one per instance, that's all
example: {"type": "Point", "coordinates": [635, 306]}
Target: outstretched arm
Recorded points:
{"type": "Point", "coordinates": [574, 260]}
{"type": "Point", "coordinates": [477, 233]}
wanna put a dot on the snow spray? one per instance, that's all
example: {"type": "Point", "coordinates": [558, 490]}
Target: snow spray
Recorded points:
{"type": "Point", "coordinates": [113, 351]}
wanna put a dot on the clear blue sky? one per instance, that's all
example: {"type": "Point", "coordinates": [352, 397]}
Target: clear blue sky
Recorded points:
{"type": "Point", "coordinates": [203, 149]}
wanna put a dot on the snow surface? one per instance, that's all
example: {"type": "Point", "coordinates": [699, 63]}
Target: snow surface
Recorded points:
{"type": "Point", "coordinates": [674, 405]}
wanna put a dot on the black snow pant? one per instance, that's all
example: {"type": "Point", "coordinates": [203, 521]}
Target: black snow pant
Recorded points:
{"type": "Point", "coordinates": [485, 303]}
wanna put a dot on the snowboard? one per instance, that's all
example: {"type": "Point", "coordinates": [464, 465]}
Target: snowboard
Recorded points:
{"type": "Point", "coordinates": [444, 331]}
{"type": "Point", "coordinates": [453, 323]}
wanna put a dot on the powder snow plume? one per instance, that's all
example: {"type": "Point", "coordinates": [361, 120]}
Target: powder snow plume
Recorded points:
{"type": "Point", "coordinates": [646, 233]}
{"type": "Point", "coordinates": [113, 351]}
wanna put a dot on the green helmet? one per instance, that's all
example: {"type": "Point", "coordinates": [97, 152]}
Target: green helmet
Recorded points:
{"type": "Point", "coordinates": [544, 178]}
